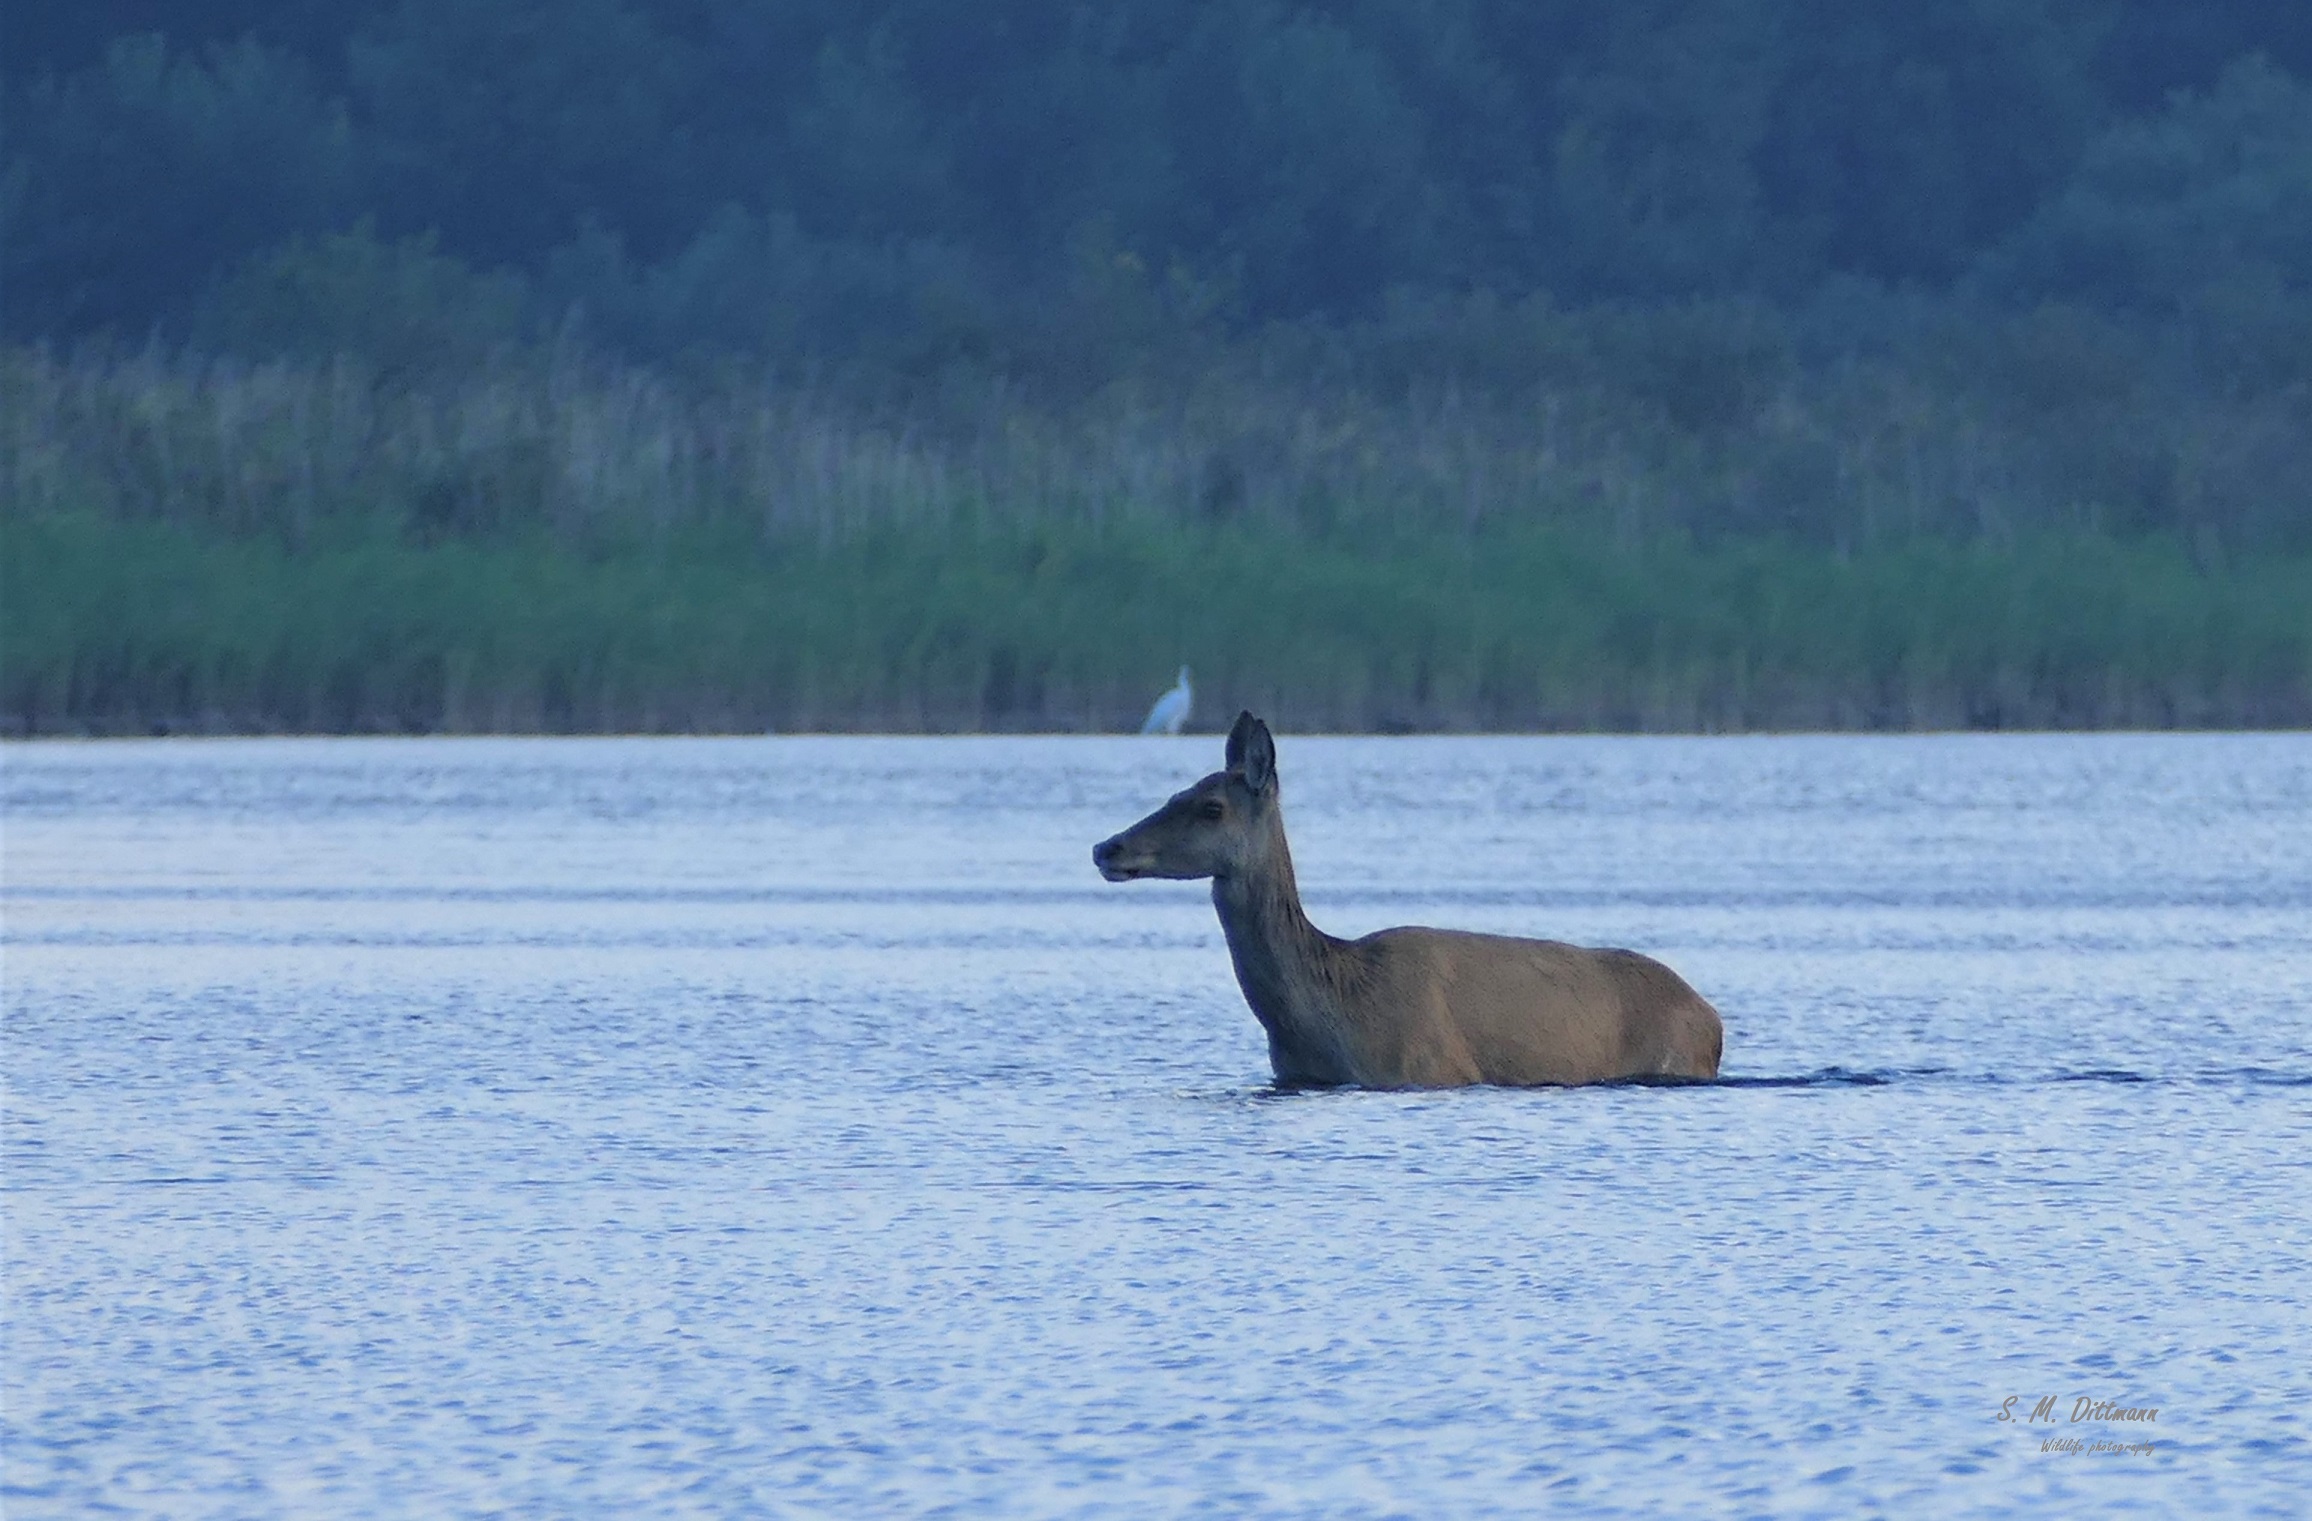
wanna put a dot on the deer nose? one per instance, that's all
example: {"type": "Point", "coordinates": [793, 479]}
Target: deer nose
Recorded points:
{"type": "Point", "coordinates": [1107, 855]}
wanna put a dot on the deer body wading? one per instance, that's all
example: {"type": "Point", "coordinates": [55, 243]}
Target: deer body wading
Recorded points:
{"type": "Point", "coordinates": [1405, 1008]}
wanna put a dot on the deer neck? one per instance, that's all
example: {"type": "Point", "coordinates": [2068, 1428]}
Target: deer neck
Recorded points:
{"type": "Point", "coordinates": [1285, 964]}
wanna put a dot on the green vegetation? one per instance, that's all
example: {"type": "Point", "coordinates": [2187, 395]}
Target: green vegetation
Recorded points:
{"type": "Point", "coordinates": [642, 363]}
{"type": "Point", "coordinates": [141, 626]}
{"type": "Point", "coordinates": [557, 545]}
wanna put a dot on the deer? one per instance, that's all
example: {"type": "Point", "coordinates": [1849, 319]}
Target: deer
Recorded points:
{"type": "Point", "coordinates": [1409, 1007]}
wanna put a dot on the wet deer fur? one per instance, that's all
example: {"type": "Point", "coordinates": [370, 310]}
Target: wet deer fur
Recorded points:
{"type": "Point", "coordinates": [1410, 1007]}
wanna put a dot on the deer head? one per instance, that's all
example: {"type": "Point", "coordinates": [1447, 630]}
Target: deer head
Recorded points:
{"type": "Point", "coordinates": [1216, 828]}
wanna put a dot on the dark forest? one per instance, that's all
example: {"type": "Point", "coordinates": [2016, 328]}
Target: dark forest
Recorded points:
{"type": "Point", "coordinates": [867, 296]}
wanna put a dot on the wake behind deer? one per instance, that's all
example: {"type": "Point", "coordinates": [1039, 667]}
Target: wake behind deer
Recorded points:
{"type": "Point", "coordinates": [1410, 1007]}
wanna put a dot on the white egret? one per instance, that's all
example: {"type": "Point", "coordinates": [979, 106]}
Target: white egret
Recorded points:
{"type": "Point", "coordinates": [1171, 710]}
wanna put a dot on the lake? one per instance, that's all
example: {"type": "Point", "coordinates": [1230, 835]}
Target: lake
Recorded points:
{"type": "Point", "coordinates": [800, 1126]}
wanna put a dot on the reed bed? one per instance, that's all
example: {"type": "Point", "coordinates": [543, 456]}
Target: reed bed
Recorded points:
{"type": "Point", "coordinates": [151, 627]}
{"type": "Point", "coordinates": [555, 544]}
{"type": "Point", "coordinates": [1615, 426]}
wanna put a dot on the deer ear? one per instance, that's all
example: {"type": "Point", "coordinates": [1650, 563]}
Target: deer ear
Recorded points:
{"type": "Point", "coordinates": [1259, 758]}
{"type": "Point", "coordinates": [1238, 735]}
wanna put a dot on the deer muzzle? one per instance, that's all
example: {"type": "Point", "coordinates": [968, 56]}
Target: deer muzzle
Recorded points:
{"type": "Point", "coordinates": [1117, 861]}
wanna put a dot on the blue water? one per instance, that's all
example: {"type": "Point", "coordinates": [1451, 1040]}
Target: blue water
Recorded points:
{"type": "Point", "coordinates": [801, 1126]}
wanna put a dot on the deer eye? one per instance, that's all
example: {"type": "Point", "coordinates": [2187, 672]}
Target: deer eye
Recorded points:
{"type": "Point", "coordinates": [1212, 809]}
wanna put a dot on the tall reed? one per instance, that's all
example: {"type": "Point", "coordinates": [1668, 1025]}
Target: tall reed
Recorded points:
{"type": "Point", "coordinates": [115, 627]}
{"type": "Point", "coordinates": [593, 453]}
{"type": "Point", "coordinates": [550, 541]}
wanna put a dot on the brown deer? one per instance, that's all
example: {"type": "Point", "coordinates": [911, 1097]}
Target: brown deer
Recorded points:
{"type": "Point", "coordinates": [1404, 1008]}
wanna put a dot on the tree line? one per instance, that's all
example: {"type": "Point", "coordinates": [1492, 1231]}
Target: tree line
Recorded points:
{"type": "Point", "coordinates": [2066, 243]}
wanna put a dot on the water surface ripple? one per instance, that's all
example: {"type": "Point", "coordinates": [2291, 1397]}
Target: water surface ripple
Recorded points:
{"type": "Point", "coordinates": [799, 1126]}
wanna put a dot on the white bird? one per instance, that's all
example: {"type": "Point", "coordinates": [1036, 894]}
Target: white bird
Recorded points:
{"type": "Point", "coordinates": [1171, 710]}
